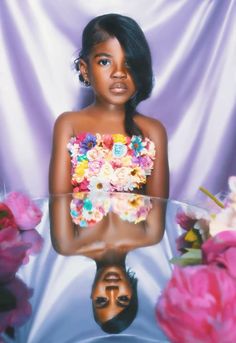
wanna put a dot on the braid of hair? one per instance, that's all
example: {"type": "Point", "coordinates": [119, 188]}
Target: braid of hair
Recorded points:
{"type": "Point", "coordinates": [131, 128]}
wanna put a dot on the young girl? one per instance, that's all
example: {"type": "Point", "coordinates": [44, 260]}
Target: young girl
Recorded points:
{"type": "Point", "coordinates": [108, 146]}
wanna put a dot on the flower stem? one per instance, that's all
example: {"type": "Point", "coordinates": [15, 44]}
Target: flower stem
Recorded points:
{"type": "Point", "coordinates": [210, 195]}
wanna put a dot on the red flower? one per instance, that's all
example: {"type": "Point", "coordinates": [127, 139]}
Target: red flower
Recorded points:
{"type": "Point", "coordinates": [6, 217]}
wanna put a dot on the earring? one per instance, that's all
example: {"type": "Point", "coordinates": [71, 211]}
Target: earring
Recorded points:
{"type": "Point", "coordinates": [87, 83]}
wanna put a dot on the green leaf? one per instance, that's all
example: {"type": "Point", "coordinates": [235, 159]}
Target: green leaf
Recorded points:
{"type": "Point", "coordinates": [191, 257]}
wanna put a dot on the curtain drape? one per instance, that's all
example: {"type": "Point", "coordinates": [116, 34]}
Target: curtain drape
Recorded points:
{"type": "Point", "coordinates": [193, 46]}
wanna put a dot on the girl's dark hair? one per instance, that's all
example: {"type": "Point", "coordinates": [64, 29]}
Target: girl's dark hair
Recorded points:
{"type": "Point", "coordinates": [134, 43]}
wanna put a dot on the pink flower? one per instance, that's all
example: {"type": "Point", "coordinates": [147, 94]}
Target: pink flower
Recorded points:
{"type": "Point", "coordinates": [198, 305]}
{"type": "Point", "coordinates": [220, 250]}
{"type": "Point", "coordinates": [107, 141]}
{"type": "Point", "coordinates": [27, 214]}
{"type": "Point", "coordinates": [83, 186]}
{"type": "Point", "coordinates": [12, 253]}
{"type": "Point", "coordinates": [185, 221]}
{"type": "Point", "coordinates": [35, 240]}
{"type": "Point", "coordinates": [6, 217]}
{"type": "Point", "coordinates": [15, 308]}
{"type": "Point", "coordinates": [80, 137]}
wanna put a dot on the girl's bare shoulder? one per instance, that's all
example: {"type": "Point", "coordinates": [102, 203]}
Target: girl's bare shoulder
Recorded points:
{"type": "Point", "coordinates": [151, 127]}
{"type": "Point", "coordinates": [71, 120]}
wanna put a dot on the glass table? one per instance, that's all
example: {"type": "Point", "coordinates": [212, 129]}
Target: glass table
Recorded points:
{"type": "Point", "coordinates": [77, 280]}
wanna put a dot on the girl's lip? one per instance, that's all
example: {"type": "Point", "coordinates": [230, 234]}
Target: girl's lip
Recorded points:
{"type": "Point", "coordinates": [118, 86]}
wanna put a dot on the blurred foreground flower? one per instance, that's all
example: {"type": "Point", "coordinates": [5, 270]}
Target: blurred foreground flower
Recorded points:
{"type": "Point", "coordinates": [18, 239]}
{"type": "Point", "coordinates": [198, 305]}
{"type": "Point", "coordinates": [203, 296]}
{"type": "Point", "coordinates": [34, 241]}
{"type": "Point", "coordinates": [220, 250]}
{"type": "Point", "coordinates": [12, 253]}
{"type": "Point", "coordinates": [7, 219]}
{"type": "Point", "coordinates": [27, 215]}
{"type": "Point", "coordinates": [15, 308]}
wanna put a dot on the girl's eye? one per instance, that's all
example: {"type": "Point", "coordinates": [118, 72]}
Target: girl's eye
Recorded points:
{"type": "Point", "coordinates": [127, 64]}
{"type": "Point", "coordinates": [104, 62]}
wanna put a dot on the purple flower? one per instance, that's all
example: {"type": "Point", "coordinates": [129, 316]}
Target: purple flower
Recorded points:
{"type": "Point", "coordinates": [87, 143]}
{"type": "Point", "coordinates": [185, 221]}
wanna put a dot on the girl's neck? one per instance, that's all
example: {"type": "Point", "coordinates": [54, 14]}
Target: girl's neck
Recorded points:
{"type": "Point", "coordinates": [111, 257]}
{"type": "Point", "coordinates": [111, 109]}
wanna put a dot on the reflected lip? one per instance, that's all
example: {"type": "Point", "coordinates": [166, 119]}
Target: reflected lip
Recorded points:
{"type": "Point", "coordinates": [118, 85]}
{"type": "Point", "coordinates": [112, 276]}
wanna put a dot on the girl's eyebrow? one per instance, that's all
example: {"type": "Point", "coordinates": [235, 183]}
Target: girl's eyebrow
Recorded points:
{"type": "Point", "coordinates": [102, 54]}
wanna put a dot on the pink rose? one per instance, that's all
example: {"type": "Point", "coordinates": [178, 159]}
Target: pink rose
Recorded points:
{"type": "Point", "coordinates": [6, 217]}
{"type": "Point", "coordinates": [12, 253]}
{"type": "Point", "coordinates": [198, 305]}
{"type": "Point", "coordinates": [15, 308]}
{"type": "Point", "coordinates": [220, 250]}
{"type": "Point", "coordinates": [27, 214]}
{"type": "Point", "coordinates": [35, 240]}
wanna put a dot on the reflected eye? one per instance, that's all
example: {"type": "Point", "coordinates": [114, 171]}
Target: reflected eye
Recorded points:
{"type": "Point", "coordinates": [104, 62]}
{"type": "Point", "coordinates": [127, 64]}
{"type": "Point", "coordinates": [123, 299]}
{"type": "Point", "coordinates": [100, 301]}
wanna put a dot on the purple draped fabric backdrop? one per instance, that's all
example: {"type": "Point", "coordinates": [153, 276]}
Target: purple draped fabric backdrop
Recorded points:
{"type": "Point", "coordinates": [193, 44]}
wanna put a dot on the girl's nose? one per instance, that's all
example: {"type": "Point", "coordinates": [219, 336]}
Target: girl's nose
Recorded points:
{"type": "Point", "coordinates": [119, 72]}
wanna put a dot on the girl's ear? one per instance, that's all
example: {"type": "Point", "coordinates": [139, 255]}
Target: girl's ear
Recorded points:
{"type": "Point", "coordinates": [83, 67]}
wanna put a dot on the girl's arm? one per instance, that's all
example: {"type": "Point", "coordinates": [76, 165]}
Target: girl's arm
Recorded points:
{"type": "Point", "coordinates": [158, 183]}
{"type": "Point", "coordinates": [63, 231]}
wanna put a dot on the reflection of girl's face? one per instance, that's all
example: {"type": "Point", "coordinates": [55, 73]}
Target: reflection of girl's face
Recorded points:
{"type": "Point", "coordinates": [111, 292]}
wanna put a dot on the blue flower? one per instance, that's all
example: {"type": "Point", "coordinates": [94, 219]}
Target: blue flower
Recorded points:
{"type": "Point", "coordinates": [137, 144]}
{"type": "Point", "coordinates": [88, 205]}
{"type": "Point", "coordinates": [83, 223]}
{"type": "Point", "coordinates": [74, 213]}
{"type": "Point", "coordinates": [82, 158]}
{"type": "Point", "coordinates": [119, 150]}
{"type": "Point", "coordinates": [88, 143]}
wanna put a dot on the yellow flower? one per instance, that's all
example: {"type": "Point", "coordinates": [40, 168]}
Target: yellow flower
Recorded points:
{"type": "Point", "coordinates": [80, 168]}
{"type": "Point", "coordinates": [191, 236]}
{"type": "Point", "coordinates": [118, 138]}
{"type": "Point", "coordinates": [138, 175]}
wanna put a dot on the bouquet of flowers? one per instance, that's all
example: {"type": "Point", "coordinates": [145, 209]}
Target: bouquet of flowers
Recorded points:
{"type": "Point", "coordinates": [199, 302]}
{"type": "Point", "coordinates": [18, 240]}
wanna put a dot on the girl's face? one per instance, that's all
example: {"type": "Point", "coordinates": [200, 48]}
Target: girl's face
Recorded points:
{"type": "Point", "coordinates": [111, 292]}
{"type": "Point", "coordinates": [108, 72]}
